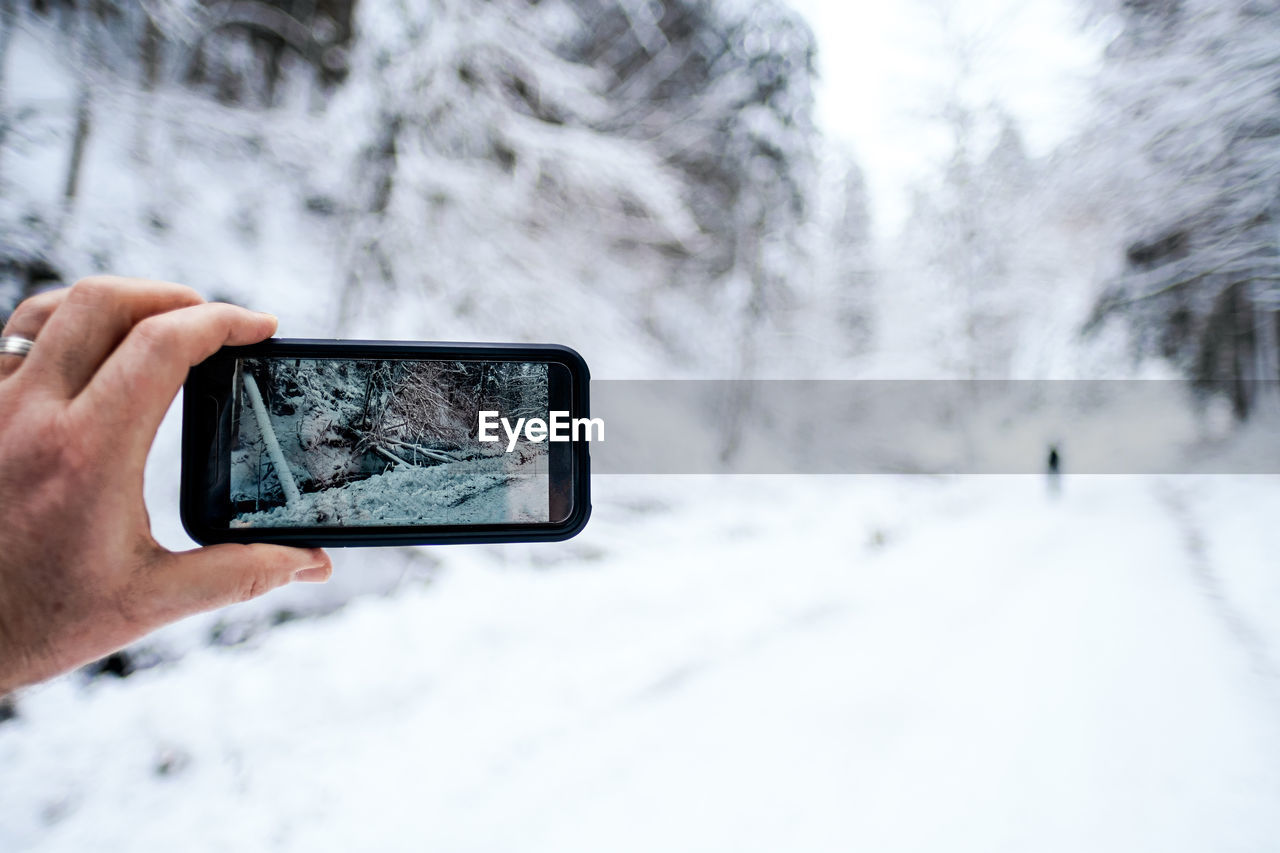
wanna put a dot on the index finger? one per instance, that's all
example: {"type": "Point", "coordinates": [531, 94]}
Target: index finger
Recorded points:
{"type": "Point", "coordinates": [91, 320]}
{"type": "Point", "coordinates": [133, 389]}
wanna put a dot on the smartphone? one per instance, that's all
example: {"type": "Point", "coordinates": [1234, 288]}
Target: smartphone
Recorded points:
{"type": "Point", "coordinates": [358, 443]}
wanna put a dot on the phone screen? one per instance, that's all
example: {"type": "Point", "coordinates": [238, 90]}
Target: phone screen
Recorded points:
{"type": "Point", "coordinates": [387, 442]}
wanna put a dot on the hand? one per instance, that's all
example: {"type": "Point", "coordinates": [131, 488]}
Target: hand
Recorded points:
{"type": "Point", "coordinates": [80, 574]}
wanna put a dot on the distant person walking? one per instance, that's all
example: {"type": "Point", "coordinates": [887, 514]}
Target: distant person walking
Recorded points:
{"type": "Point", "coordinates": [1053, 470]}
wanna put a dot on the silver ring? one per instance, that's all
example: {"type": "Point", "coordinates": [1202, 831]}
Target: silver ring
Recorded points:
{"type": "Point", "coordinates": [16, 345]}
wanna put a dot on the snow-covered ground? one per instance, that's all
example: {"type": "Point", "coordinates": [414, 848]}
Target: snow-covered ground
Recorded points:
{"type": "Point", "coordinates": [763, 663]}
{"type": "Point", "coordinates": [488, 490]}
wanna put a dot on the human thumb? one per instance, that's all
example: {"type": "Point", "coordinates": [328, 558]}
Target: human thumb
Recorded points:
{"type": "Point", "coordinates": [218, 575]}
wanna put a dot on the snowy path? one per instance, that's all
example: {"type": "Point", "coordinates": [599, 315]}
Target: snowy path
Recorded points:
{"type": "Point", "coordinates": [764, 665]}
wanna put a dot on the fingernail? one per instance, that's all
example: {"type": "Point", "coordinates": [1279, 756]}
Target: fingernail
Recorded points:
{"type": "Point", "coordinates": [317, 567]}
{"type": "Point", "coordinates": [315, 574]}
{"type": "Point", "coordinates": [268, 315]}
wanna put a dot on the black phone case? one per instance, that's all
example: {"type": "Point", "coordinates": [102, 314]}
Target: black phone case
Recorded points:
{"type": "Point", "coordinates": [195, 444]}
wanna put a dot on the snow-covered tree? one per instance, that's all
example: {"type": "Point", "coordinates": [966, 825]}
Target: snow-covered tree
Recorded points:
{"type": "Point", "coordinates": [120, 90]}
{"type": "Point", "coordinates": [1191, 123]}
{"type": "Point", "coordinates": [481, 179]}
{"type": "Point", "coordinates": [969, 252]}
{"type": "Point", "coordinates": [722, 91]}
{"type": "Point", "coordinates": [837, 290]}
{"type": "Point", "coordinates": [428, 168]}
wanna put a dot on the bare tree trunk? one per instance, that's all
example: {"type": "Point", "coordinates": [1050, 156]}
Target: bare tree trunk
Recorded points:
{"type": "Point", "coordinates": [287, 483]}
{"type": "Point", "coordinates": [390, 455]}
{"type": "Point", "coordinates": [149, 47]}
{"type": "Point", "coordinates": [83, 125]}
{"type": "Point", "coordinates": [1266, 355]}
{"type": "Point", "coordinates": [84, 120]}
{"type": "Point", "coordinates": [748, 266]}
{"type": "Point", "coordinates": [362, 244]}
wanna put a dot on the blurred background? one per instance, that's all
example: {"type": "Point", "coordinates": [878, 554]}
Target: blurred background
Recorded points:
{"type": "Point", "coordinates": [729, 189]}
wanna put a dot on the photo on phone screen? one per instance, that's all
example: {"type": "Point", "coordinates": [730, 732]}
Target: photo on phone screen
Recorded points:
{"type": "Point", "coordinates": [353, 443]}
{"type": "Point", "coordinates": [359, 443]}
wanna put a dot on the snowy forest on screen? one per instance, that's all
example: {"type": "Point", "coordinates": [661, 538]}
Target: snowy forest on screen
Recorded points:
{"type": "Point", "coordinates": [329, 442]}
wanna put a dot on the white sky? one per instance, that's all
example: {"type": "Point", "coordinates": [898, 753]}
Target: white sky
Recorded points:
{"type": "Point", "coordinates": [887, 66]}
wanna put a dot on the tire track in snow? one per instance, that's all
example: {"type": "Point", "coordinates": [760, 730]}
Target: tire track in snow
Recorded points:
{"type": "Point", "coordinates": [1211, 585]}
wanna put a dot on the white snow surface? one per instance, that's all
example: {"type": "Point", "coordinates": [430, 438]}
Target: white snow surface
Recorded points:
{"type": "Point", "coordinates": [488, 490]}
{"type": "Point", "coordinates": [725, 664]}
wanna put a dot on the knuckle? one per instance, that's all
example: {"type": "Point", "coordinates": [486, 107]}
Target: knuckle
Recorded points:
{"type": "Point", "coordinates": [224, 314]}
{"type": "Point", "coordinates": [158, 335]}
{"type": "Point", "coordinates": [92, 290]}
{"type": "Point", "coordinates": [255, 584]}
